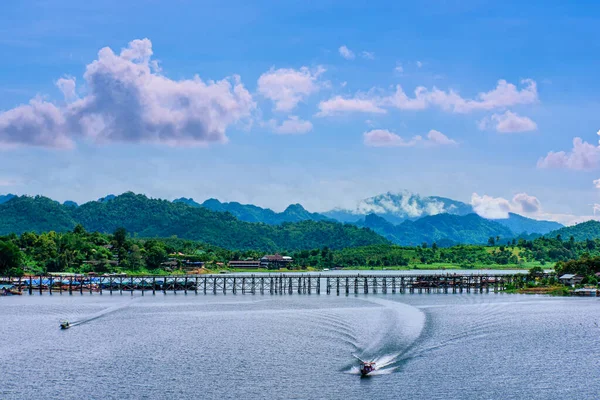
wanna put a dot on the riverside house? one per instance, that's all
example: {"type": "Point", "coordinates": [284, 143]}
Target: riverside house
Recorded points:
{"type": "Point", "coordinates": [275, 261]}
{"type": "Point", "coordinates": [570, 279]}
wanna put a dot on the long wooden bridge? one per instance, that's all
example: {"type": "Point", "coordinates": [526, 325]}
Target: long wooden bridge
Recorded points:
{"type": "Point", "coordinates": [274, 284]}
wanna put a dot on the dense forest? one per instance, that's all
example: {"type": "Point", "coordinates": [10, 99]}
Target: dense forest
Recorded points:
{"type": "Point", "coordinates": [146, 217]}
{"type": "Point", "coordinates": [79, 250]}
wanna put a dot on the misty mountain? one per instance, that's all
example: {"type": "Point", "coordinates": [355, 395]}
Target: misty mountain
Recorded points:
{"type": "Point", "coordinates": [399, 207]}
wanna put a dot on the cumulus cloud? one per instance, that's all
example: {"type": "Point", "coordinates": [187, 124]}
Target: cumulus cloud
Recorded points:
{"type": "Point", "coordinates": [522, 203]}
{"type": "Point", "coordinates": [438, 138]}
{"type": "Point", "coordinates": [499, 207]}
{"type": "Point", "coordinates": [508, 122]}
{"type": "Point", "coordinates": [293, 125]}
{"type": "Point", "coordinates": [597, 183]}
{"type": "Point", "coordinates": [339, 105]}
{"type": "Point", "coordinates": [346, 52]}
{"type": "Point", "coordinates": [504, 95]}
{"type": "Point", "coordinates": [583, 156]}
{"type": "Point", "coordinates": [67, 87]}
{"type": "Point", "coordinates": [385, 138]}
{"type": "Point", "coordinates": [287, 87]}
{"type": "Point", "coordinates": [399, 68]}
{"type": "Point", "coordinates": [38, 123]}
{"type": "Point", "coordinates": [128, 100]}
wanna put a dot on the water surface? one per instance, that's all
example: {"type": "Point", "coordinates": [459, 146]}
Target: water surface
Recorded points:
{"type": "Point", "coordinates": [450, 346]}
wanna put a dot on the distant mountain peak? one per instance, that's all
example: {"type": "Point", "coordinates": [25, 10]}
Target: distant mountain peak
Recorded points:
{"type": "Point", "coordinates": [400, 206]}
{"type": "Point", "coordinates": [6, 197]}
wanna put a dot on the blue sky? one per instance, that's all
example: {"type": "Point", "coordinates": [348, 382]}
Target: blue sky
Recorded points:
{"type": "Point", "coordinates": [297, 102]}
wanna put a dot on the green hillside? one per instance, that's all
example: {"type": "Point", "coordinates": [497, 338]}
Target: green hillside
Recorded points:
{"type": "Point", "coordinates": [147, 217]}
{"type": "Point", "coordinates": [582, 231]}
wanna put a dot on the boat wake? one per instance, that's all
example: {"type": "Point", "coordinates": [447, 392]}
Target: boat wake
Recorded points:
{"type": "Point", "coordinates": [388, 338]}
{"type": "Point", "coordinates": [100, 314]}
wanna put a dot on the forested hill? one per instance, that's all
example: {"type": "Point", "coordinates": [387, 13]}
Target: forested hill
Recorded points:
{"type": "Point", "coordinates": [147, 217]}
{"type": "Point", "coordinates": [580, 232]}
{"type": "Point", "coordinates": [443, 229]}
{"type": "Point", "coordinates": [252, 213]}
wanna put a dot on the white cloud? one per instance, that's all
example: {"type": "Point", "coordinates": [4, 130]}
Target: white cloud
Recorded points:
{"type": "Point", "coordinates": [287, 87]}
{"type": "Point", "coordinates": [38, 123]}
{"type": "Point", "coordinates": [597, 183]}
{"type": "Point", "coordinates": [369, 55]}
{"type": "Point", "coordinates": [338, 105]}
{"type": "Point", "coordinates": [508, 122]}
{"type": "Point", "coordinates": [128, 100]}
{"type": "Point", "coordinates": [385, 138]}
{"type": "Point", "coordinates": [499, 208]}
{"type": "Point", "coordinates": [522, 203]}
{"type": "Point", "coordinates": [67, 87]}
{"type": "Point", "coordinates": [419, 64]}
{"type": "Point", "coordinates": [583, 156]}
{"type": "Point", "coordinates": [399, 69]}
{"type": "Point", "coordinates": [346, 52]}
{"type": "Point", "coordinates": [505, 94]}
{"type": "Point", "coordinates": [293, 125]}
{"type": "Point", "coordinates": [438, 138]}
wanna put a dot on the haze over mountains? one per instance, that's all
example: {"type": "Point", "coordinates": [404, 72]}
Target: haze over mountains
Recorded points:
{"type": "Point", "coordinates": [402, 218]}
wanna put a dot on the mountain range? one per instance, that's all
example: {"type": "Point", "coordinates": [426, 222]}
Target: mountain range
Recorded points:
{"type": "Point", "coordinates": [146, 217]}
{"type": "Point", "coordinates": [402, 218]}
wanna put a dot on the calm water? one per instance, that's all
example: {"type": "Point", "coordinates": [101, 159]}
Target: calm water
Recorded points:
{"type": "Point", "coordinates": [470, 346]}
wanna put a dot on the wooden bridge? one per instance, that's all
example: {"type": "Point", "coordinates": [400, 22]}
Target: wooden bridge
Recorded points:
{"type": "Point", "coordinates": [274, 284]}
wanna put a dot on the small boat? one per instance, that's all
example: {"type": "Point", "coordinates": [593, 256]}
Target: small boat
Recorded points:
{"type": "Point", "coordinates": [65, 325]}
{"type": "Point", "coordinates": [366, 368]}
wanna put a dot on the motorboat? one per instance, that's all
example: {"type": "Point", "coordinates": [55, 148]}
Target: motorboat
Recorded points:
{"type": "Point", "coordinates": [366, 367]}
{"type": "Point", "coordinates": [65, 325]}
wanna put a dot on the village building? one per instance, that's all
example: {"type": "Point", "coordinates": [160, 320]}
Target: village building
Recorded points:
{"type": "Point", "coordinates": [570, 279]}
{"type": "Point", "coordinates": [275, 261]}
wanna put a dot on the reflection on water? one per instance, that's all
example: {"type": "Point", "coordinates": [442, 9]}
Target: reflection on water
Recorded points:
{"type": "Point", "coordinates": [478, 346]}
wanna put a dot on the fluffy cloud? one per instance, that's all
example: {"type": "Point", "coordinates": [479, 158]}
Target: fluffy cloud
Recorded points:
{"type": "Point", "coordinates": [504, 95]}
{"type": "Point", "coordinates": [522, 203]}
{"type": "Point", "coordinates": [38, 123]}
{"type": "Point", "coordinates": [67, 87]}
{"type": "Point", "coordinates": [287, 87]}
{"type": "Point", "coordinates": [419, 64]}
{"type": "Point", "coordinates": [346, 52]}
{"type": "Point", "coordinates": [292, 125]}
{"type": "Point", "coordinates": [438, 138]}
{"type": "Point", "coordinates": [385, 138]}
{"type": "Point", "coordinates": [128, 100]}
{"type": "Point", "coordinates": [338, 105]}
{"type": "Point", "coordinates": [499, 208]}
{"type": "Point", "coordinates": [399, 68]}
{"type": "Point", "coordinates": [508, 122]}
{"type": "Point", "coordinates": [583, 156]}
{"type": "Point", "coordinates": [597, 183]}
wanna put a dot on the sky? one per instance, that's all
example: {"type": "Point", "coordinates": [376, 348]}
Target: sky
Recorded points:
{"type": "Point", "coordinates": [493, 103]}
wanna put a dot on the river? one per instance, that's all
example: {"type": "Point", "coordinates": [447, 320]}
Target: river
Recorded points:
{"type": "Point", "coordinates": [447, 346]}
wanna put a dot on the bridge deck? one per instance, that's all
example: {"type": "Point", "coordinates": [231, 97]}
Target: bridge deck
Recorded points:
{"type": "Point", "coordinates": [299, 283]}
